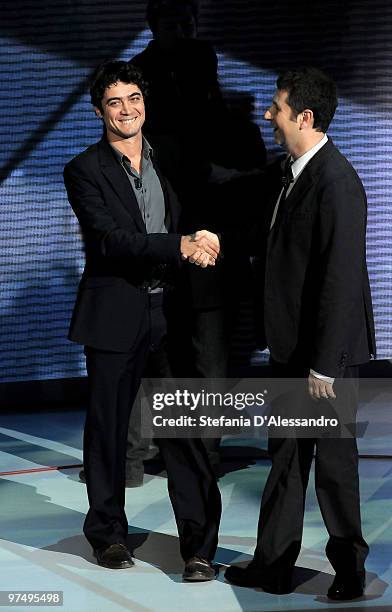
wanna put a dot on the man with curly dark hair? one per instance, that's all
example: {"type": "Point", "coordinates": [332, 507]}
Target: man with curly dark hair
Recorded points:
{"type": "Point", "coordinates": [128, 215]}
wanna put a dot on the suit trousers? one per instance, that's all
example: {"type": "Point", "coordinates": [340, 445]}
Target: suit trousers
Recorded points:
{"type": "Point", "coordinates": [202, 350]}
{"type": "Point", "coordinates": [283, 502]}
{"type": "Point", "coordinates": [157, 367]}
{"type": "Point", "coordinates": [114, 379]}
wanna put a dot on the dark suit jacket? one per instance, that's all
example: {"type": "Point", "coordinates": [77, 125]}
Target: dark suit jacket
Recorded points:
{"type": "Point", "coordinates": [120, 255]}
{"type": "Point", "coordinates": [316, 299]}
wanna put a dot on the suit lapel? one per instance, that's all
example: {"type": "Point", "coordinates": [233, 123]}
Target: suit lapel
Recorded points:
{"type": "Point", "coordinates": [307, 177]}
{"type": "Point", "coordinates": [119, 182]}
{"type": "Point", "coordinates": [303, 184]}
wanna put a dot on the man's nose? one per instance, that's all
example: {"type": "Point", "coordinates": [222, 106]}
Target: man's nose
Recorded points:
{"type": "Point", "coordinates": [268, 115]}
{"type": "Point", "coordinates": [126, 107]}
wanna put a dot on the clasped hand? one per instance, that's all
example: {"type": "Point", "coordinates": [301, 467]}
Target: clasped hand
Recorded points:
{"type": "Point", "coordinates": [320, 389]}
{"type": "Point", "coordinates": [201, 248]}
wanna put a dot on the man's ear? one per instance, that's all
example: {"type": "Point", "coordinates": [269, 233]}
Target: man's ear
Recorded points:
{"type": "Point", "coordinates": [97, 112]}
{"type": "Point", "coordinates": [306, 119]}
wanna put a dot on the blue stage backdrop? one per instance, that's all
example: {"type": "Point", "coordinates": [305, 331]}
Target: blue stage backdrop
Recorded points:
{"type": "Point", "coordinates": [48, 50]}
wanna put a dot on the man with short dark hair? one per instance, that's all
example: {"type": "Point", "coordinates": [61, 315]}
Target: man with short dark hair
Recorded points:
{"type": "Point", "coordinates": [318, 325]}
{"type": "Point", "coordinates": [128, 214]}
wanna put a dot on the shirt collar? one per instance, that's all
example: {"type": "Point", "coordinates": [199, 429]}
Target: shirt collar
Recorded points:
{"type": "Point", "coordinates": [300, 163]}
{"type": "Point", "coordinates": [147, 151]}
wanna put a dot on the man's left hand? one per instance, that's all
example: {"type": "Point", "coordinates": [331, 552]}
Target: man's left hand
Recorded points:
{"type": "Point", "coordinates": [320, 389]}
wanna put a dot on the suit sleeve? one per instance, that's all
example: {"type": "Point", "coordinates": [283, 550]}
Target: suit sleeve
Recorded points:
{"type": "Point", "coordinates": [103, 233]}
{"type": "Point", "coordinates": [340, 265]}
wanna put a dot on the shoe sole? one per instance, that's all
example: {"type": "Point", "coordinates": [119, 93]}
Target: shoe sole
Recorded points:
{"type": "Point", "coordinates": [123, 565]}
{"type": "Point", "coordinates": [346, 598]}
{"type": "Point", "coordinates": [273, 590]}
{"type": "Point", "coordinates": [197, 577]}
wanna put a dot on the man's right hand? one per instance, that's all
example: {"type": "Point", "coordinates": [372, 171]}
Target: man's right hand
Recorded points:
{"type": "Point", "coordinates": [201, 248]}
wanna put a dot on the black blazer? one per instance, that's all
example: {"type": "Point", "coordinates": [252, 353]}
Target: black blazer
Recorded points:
{"type": "Point", "coordinates": [120, 255]}
{"type": "Point", "coordinates": [316, 299]}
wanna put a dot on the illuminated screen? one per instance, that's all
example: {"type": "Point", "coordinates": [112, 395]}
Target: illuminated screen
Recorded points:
{"type": "Point", "coordinates": [48, 52]}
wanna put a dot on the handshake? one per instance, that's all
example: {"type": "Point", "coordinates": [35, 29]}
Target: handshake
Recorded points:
{"type": "Point", "coordinates": [201, 248]}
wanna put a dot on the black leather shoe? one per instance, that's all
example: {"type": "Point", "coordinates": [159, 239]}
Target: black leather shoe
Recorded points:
{"type": "Point", "coordinates": [115, 556]}
{"type": "Point", "coordinates": [198, 570]}
{"type": "Point", "coordinates": [252, 577]}
{"type": "Point", "coordinates": [346, 588]}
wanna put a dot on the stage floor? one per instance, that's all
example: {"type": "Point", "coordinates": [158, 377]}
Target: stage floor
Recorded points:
{"type": "Point", "coordinates": [42, 546]}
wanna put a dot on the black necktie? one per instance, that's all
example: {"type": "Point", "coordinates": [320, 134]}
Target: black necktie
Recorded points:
{"type": "Point", "coordinates": [287, 179]}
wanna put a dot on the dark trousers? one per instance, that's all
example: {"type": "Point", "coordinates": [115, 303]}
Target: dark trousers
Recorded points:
{"type": "Point", "coordinates": [200, 349]}
{"type": "Point", "coordinates": [206, 356]}
{"type": "Point", "coordinates": [114, 379]}
{"type": "Point", "coordinates": [210, 341]}
{"type": "Point", "coordinates": [283, 503]}
{"type": "Point", "coordinates": [157, 366]}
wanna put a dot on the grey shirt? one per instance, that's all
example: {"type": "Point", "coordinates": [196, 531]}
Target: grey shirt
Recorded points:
{"type": "Point", "coordinates": [147, 189]}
